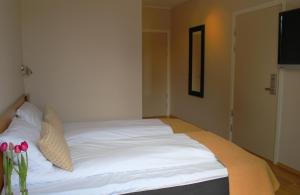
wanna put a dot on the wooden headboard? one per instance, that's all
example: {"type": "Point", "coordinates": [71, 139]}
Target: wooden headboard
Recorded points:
{"type": "Point", "coordinates": [5, 120]}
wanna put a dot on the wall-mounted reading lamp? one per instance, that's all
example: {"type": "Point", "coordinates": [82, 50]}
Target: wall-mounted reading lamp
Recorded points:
{"type": "Point", "coordinates": [25, 70]}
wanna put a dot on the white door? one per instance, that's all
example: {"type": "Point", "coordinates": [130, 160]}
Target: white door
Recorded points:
{"type": "Point", "coordinates": [155, 48]}
{"type": "Point", "coordinates": [254, 107]}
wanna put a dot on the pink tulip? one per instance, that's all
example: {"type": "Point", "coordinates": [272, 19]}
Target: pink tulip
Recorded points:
{"type": "Point", "coordinates": [17, 149]}
{"type": "Point", "coordinates": [3, 147]}
{"type": "Point", "coordinates": [24, 146]}
{"type": "Point", "coordinates": [11, 146]}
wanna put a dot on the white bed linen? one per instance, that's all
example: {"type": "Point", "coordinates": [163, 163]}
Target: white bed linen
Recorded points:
{"type": "Point", "coordinates": [118, 129]}
{"type": "Point", "coordinates": [128, 165]}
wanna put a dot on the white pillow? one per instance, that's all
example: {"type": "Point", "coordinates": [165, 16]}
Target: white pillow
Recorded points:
{"type": "Point", "coordinates": [18, 131]}
{"type": "Point", "coordinates": [31, 114]}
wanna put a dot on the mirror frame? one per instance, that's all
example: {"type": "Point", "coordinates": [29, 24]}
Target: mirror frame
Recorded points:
{"type": "Point", "coordinates": [192, 30]}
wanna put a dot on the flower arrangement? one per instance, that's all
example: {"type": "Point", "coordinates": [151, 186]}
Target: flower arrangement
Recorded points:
{"type": "Point", "coordinates": [21, 168]}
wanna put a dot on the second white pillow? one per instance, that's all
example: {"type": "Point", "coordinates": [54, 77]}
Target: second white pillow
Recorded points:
{"type": "Point", "coordinates": [31, 114]}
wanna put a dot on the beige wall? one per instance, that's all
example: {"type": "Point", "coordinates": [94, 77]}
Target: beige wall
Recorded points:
{"type": "Point", "coordinates": [86, 57]}
{"type": "Point", "coordinates": [290, 124]}
{"type": "Point", "coordinates": [293, 4]}
{"type": "Point", "coordinates": [211, 112]}
{"type": "Point", "coordinates": [290, 127]}
{"type": "Point", "coordinates": [156, 18]}
{"type": "Point", "coordinates": [156, 25]}
{"type": "Point", "coordinates": [11, 81]}
{"type": "Point", "coordinates": [154, 74]}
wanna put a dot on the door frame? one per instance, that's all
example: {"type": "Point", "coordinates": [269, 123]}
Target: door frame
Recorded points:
{"type": "Point", "coordinates": [168, 92]}
{"type": "Point", "coordinates": [232, 75]}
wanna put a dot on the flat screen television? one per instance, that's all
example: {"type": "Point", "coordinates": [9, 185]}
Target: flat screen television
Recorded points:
{"type": "Point", "coordinates": [289, 38]}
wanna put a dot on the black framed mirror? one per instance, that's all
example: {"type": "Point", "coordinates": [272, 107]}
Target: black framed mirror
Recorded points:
{"type": "Point", "coordinates": [196, 60]}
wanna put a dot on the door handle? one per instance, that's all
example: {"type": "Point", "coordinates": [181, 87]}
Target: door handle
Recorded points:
{"type": "Point", "coordinates": [273, 82]}
{"type": "Point", "coordinates": [272, 91]}
{"type": "Point", "coordinates": [268, 89]}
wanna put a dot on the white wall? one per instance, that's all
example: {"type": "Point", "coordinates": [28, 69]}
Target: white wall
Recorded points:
{"type": "Point", "coordinates": [11, 81]}
{"type": "Point", "coordinates": [290, 125]}
{"type": "Point", "coordinates": [85, 56]}
{"type": "Point", "coordinates": [289, 144]}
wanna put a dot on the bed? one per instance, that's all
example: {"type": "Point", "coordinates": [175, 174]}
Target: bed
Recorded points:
{"type": "Point", "coordinates": [241, 166]}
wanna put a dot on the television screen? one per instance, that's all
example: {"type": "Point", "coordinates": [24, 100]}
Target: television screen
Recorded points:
{"type": "Point", "coordinates": [289, 37]}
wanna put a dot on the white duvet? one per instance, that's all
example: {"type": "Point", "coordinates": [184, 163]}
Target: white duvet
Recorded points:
{"type": "Point", "coordinates": [113, 130]}
{"type": "Point", "coordinates": [128, 165]}
{"type": "Point", "coordinates": [135, 154]}
{"type": "Point", "coordinates": [143, 153]}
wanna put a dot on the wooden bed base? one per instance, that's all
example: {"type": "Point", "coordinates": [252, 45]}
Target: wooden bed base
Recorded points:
{"type": "Point", "coordinates": [5, 120]}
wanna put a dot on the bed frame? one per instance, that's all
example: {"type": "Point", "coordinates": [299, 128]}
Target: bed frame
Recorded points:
{"type": "Point", "coordinates": [5, 120]}
{"type": "Point", "coordinates": [212, 187]}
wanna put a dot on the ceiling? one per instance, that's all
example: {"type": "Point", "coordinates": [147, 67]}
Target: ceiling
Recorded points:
{"type": "Point", "coordinates": [162, 3]}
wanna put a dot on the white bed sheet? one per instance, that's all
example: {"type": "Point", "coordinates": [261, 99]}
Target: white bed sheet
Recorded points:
{"type": "Point", "coordinates": [118, 129]}
{"type": "Point", "coordinates": [129, 165]}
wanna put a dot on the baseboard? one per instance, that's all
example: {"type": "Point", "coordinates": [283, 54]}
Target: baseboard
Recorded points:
{"type": "Point", "coordinates": [289, 169]}
{"type": "Point", "coordinates": [151, 117]}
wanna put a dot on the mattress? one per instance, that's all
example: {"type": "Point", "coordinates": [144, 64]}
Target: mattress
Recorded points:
{"type": "Point", "coordinates": [212, 187]}
{"type": "Point", "coordinates": [129, 165]}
